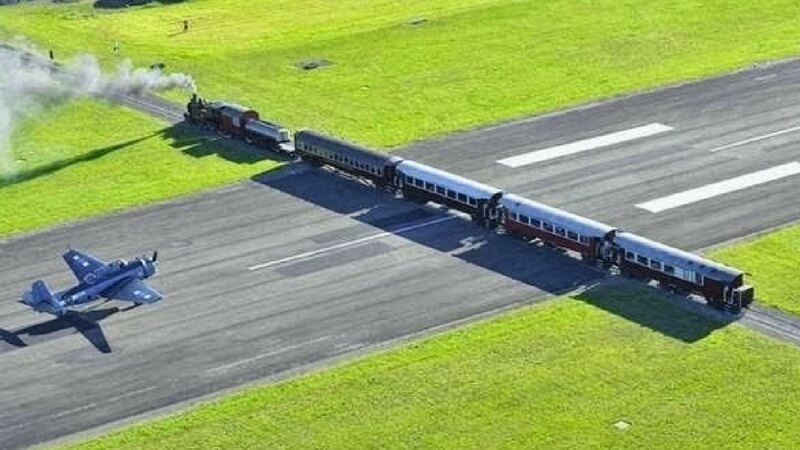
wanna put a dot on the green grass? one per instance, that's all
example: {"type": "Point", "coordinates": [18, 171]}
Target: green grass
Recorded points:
{"type": "Point", "coordinates": [558, 375]}
{"type": "Point", "coordinates": [772, 264]}
{"type": "Point", "coordinates": [473, 62]}
{"type": "Point", "coordinates": [89, 158]}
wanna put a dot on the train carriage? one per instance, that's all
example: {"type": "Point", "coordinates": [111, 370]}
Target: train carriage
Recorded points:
{"type": "Point", "coordinates": [345, 156]}
{"type": "Point", "coordinates": [424, 183]}
{"type": "Point", "coordinates": [722, 286]}
{"type": "Point", "coordinates": [530, 219]}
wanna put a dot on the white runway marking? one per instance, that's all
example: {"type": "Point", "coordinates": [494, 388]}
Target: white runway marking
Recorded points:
{"type": "Point", "coordinates": [754, 139]}
{"type": "Point", "coordinates": [584, 145]}
{"type": "Point", "coordinates": [350, 243]}
{"type": "Point", "coordinates": [722, 187]}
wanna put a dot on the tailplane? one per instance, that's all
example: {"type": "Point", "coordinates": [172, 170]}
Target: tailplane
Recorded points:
{"type": "Point", "coordinates": [41, 299]}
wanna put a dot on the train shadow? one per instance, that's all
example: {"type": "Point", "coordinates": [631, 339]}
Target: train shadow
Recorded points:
{"type": "Point", "coordinates": [84, 322]}
{"type": "Point", "coordinates": [199, 143]}
{"type": "Point", "coordinates": [61, 164]}
{"type": "Point", "coordinates": [673, 316]}
{"type": "Point", "coordinates": [541, 267]}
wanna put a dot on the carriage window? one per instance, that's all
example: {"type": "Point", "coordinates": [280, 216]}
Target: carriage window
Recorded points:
{"type": "Point", "coordinates": [629, 256]}
{"type": "Point", "coordinates": [409, 179]}
{"type": "Point", "coordinates": [440, 190]}
{"type": "Point", "coordinates": [560, 231]}
{"type": "Point", "coordinates": [523, 218]}
{"type": "Point", "coordinates": [669, 269]}
{"type": "Point", "coordinates": [430, 186]}
{"type": "Point", "coordinates": [473, 201]}
{"type": "Point", "coordinates": [514, 216]}
{"type": "Point", "coordinates": [572, 235]}
{"type": "Point", "coordinates": [547, 227]}
{"type": "Point", "coordinates": [698, 278]}
{"type": "Point", "coordinates": [419, 183]}
{"type": "Point", "coordinates": [451, 194]}
{"type": "Point", "coordinates": [655, 264]}
{"type": "Point", "coordinates": [684, 274]}
{"type": "Point", "coordinates": [584, 240]}
{"type": "Point", "coordinates": [462, 198]}
{"type": "Point", "coordinates": [536, 223]}
{"type": "Point", "coordinates": [641, 260]}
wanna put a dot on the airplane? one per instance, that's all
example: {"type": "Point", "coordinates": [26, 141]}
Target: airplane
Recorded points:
{"type": "Point", "coordinates": [118, 280]}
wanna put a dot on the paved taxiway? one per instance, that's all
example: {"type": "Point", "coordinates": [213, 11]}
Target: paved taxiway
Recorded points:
{"type": "Point", "coordinates": [241, 305]}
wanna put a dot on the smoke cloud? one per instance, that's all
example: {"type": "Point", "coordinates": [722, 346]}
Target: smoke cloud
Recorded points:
{"type": "Point", "coordinates": [29, 83]}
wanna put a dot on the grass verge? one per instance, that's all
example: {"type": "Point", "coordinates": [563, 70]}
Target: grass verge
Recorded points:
{"type": "Point", "coordinates": [557, 375]}
{"type": "Point", "coordinates": [472, 61]}
{"type": "Point", "coordinates": [772, 264]}
{"type": "Point", "coordinates": [90, 158]}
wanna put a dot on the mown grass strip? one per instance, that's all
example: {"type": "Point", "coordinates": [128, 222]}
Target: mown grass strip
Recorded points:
{"type": "Point", "coordinates": [558, 375]}
{"type": "Point", "coordinates": [772, 264]}
{"type": "Point", "coordinates": [89, 158]}
{"type": "Point", "coordinates": [390, 82]}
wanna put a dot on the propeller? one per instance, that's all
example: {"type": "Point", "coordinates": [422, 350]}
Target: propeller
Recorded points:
{"type": "Point", "coordinates": [155, 256]}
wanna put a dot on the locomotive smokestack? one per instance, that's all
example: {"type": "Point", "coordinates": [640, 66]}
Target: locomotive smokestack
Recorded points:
{"type": "Point", "coordinates": [30, 82]}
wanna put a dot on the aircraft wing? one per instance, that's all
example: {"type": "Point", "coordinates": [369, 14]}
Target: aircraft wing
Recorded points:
{"type": "Point", "coordinates": [82, 263]}
{"type": "Point", "coordinates": [136, 291]}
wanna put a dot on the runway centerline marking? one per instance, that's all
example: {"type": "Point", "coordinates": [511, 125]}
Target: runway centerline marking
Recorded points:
{"type": "Point", "coordinates": [754, 139]}
{"type": "Point", "coordinates": [583, 145]}
{"type": "Point", "coordinates": [349, 243]}
{"type": "Point", "coordinates": [275, 352]}
{"type": "Point", "coordinates": [722, 187]}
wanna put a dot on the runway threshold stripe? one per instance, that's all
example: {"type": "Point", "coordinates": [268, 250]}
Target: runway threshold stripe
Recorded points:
{"type": "Point", "coordinates": [310, 254]}
{"type": "Point", "coordinates": [721, 187]}
{"type": "Point", "coordinates": [584, 145]}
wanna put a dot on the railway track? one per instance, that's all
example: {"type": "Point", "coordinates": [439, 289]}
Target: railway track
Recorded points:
{"type": "Point", "coordinates": [153, 106]}
{"type": "Point", "coordinates": [772, 322]}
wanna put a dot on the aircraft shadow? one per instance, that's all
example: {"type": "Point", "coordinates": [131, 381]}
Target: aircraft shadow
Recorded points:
{"type": "Point", "coordinates": [84, 322]}
{"type": "Point", "coordinates": [547, 269]}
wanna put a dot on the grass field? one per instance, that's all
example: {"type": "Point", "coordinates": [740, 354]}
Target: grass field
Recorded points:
{"type": "Point", "coordinates": [472, 62]}
{"type": "Point", "coordinates": [772, 263]}
{"type": "Point", "coordinates": [558, 375]}
{"type": "Point", "coordinates": [89, 158]}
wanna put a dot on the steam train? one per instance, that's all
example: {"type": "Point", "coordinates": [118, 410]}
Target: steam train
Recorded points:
{"type": "Point", "coordinates": [634, 256]}
{"type": "Point", "coordinates": [238, 122]}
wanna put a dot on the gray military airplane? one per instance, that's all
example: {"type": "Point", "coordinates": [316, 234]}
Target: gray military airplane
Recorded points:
{"type": "Point", "coordinates": [118, 280]}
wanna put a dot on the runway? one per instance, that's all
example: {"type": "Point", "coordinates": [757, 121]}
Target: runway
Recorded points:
{"type": "Point", "coordinates": [259, 279]}
{"type": "Point", "coordinates": [268, 276]}
{"type": "Point", "coordinates": [719, 129]}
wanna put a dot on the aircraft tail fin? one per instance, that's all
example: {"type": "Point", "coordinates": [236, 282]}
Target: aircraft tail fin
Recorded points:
{"type": "Point", "coordinates": [41, 299]}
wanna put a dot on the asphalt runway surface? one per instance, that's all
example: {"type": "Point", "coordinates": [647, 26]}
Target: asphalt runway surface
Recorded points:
{"type": "Point", "coordinates": [259, 279]}
{"type": "Point", "coordinates": [605, 184]}
{"type": "Point", "coordinates": [269, 276]}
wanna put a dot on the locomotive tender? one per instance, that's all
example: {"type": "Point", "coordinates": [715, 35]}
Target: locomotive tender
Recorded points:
{"type": "Point", "coordinates": [635, 256]}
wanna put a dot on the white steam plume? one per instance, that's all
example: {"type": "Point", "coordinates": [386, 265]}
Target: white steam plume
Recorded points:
{"type": "Point", "coordinates": [29, 82]}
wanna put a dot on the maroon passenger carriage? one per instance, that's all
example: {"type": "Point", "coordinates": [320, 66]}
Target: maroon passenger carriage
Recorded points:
{"type": "Point", "coordinates": [530, 219]}
{"type": "Point", "coordinates": [722, 286]}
